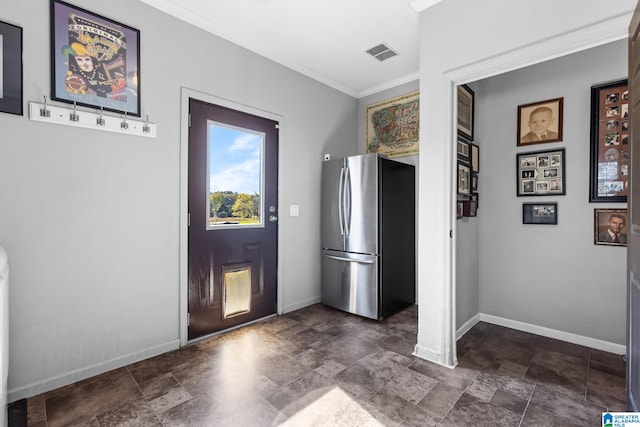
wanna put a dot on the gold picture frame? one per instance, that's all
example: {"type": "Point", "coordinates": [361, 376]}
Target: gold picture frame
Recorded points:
{"type": "Point", "coordinates": [391, 126]}
{"type": "Point", "coordinates": [610, 227]}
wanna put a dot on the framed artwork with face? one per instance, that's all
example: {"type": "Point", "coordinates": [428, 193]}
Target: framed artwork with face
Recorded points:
{"type": "Point", "coordinates": [95, 61]}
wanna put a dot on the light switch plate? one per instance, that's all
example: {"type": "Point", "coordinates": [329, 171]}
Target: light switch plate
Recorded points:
{"type": "Point", "coordinates": [294, 210]}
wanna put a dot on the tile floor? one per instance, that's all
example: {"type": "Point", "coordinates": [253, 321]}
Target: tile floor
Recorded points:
{"type": "Point", "coordinates": [319, 366]}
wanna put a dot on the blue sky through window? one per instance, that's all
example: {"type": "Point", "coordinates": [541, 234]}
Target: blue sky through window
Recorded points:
{"type": "Point", "coordinates": [234, 159]}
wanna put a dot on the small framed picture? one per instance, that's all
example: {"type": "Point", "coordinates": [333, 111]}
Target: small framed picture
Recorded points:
{"type": "Point", "coordinates": [610, 227]}
{"type": "Point", "coordinates": [474, 182]}
{"type": "Point", "coordinates": [541, 173]}
{"type": "Point", "coordinates": [465, 111]}
{"type": "Point", "coordinates": [540, 213]}
{"type": "Point", "coordinates": [464, 179]}
{"type": "Point", "coordinates": [10, 69]}
{"type": "Point", "coordinates": [470, 206]}
{"type": "Point", "coordinates": [463, 151]}
{"type": "Point", "coordinates": [459, 209]}
{"type": "Point", "coordinates": [475, 157]}
{"type": "Point", "coordinates": [540, 122]}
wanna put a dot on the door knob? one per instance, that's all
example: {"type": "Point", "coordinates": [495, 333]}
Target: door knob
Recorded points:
{"type": "Point", "coordinates": [273, 218]}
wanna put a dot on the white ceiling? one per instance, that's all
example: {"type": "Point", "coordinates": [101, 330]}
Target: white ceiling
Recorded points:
{"type": "Point", "coordinates": [325, 40]}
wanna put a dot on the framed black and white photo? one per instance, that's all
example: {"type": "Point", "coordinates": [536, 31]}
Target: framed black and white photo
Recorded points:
{"type": "Point", "coordinates": [464, 155]}
{"type": "Point", "coordinates": [465, 111]}
{"type": "Point", "coordinates": [95, 61]}
{"type": "Point", "coordinates": [10, 68]}
{"type": "Point", "coordinates": [541, 173]}
{"type": "Point", "coordinates": [540, 122]}
{"type": "Point", "coordinates": [540, 213]}
{"type": "Point", "coordinates": [464, 179]}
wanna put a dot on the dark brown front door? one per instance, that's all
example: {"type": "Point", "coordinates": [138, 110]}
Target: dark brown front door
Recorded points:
{"type": "Point", "coordinates": [233, 199]}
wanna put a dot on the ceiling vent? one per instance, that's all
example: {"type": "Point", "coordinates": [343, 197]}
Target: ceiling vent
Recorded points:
{"type": "Point", "coordinates": [382, 52]}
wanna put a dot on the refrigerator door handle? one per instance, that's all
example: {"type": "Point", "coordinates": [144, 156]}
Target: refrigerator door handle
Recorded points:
{"type": "Point", "coordinates": [339, 258]}
{"type": "Point", "coordinates": [340, 195]}
{"type": "Point", "coordinates": [347, 202]}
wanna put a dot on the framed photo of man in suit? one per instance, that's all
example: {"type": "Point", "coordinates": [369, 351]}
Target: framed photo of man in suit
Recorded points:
{"type": "Point", "coordinates": [610, 227]}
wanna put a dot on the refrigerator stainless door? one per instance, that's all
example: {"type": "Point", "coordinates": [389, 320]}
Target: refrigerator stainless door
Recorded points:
{"type": "Point", "coordinates": [360, 204]}
{"type": "Point", "coordinates": [350, 282]}
{"type": "Point", "coordinates": [332, 194]}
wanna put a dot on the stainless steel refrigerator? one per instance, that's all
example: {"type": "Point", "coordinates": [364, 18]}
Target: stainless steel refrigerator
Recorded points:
{"type": "Point", "coordinates": [368, 235]}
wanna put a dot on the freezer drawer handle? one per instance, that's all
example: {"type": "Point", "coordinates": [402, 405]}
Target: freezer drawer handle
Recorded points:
{"type": "Point", "coordinates": [339, 258]}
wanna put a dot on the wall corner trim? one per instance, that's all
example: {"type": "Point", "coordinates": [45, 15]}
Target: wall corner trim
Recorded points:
{"type": "Point", "coordinates": [432, 356]}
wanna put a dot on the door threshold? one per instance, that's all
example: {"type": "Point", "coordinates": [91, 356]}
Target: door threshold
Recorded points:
{"type": "Point", "coordinates": [233, 328]}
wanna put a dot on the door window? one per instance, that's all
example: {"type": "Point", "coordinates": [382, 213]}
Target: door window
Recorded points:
{"type": "Point", "coordinates": [235, 177]}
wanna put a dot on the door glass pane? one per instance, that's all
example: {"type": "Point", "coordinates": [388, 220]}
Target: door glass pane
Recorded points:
{"type": "Point", "coordinates": [235, 163]}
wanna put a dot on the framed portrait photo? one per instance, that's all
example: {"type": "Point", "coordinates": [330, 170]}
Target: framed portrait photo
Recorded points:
{"type": "Point", "coordinates": [610, 149]}
{"type": "Point", "coordinates": [392, 126]}
{"type": "Point", "coordinates": [540, 122]}
{"type": "Point", "coordinates": [610, 227]}
{"type": "Point", "coordinates": [540, 213]}
{"type": "Point", "coordinates": [465, 111]}
{"type": "Point", "coordinates": [95, 61]}
{"type": "Point", "coordinates": [10, 68]}
{"type": "Point", "coordinates": [541, 173]}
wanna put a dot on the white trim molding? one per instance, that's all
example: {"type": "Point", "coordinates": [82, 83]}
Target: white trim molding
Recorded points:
{"type": "Point", "coordinates": [89, 371]}
{"type": "Point", "coordinates": [542, 331]}
{"type": "Point", "coordinates": [300, 304]}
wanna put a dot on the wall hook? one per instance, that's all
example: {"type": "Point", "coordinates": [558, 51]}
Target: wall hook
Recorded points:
{"type": "Point", "coordinates": [44, 111]}
{"type": "Point", "coordinates": [73, 116]}
{"type": "Point", "coordinates": [145, 127]}
{"type": "Point", "coordinates": [100, 119]}
{"type": "Point", "coordinates": [124, 124]}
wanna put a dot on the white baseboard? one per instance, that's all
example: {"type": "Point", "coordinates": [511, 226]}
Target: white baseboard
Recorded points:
{"type": "Point", "coordinates": [467, 326]}
{"type": "Point", "coordinates": [300, 304]}
{"type": "Point", "coordinates": [36, 388]}
{"type": "Point", "coordinates": [541, 330]}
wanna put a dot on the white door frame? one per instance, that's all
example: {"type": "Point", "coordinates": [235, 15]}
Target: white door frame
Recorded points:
{"type": "Point", "coordinates": [437, 332]}
{"type": "Point", "coordinates": [185, 95]}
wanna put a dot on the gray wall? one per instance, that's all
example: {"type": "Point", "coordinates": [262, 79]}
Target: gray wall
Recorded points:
{"type": "Point", "coordinates": [549, 276]}
{"type": "Point", "coordinates": [467, 256]}
{"type": "Point", "coordinates": [90, 219]}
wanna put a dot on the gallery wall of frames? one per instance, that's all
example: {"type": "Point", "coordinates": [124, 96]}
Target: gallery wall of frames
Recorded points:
{"type": "Point", "coordinates": [542, 172]}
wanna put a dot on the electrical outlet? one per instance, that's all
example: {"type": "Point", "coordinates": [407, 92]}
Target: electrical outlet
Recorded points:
{"type": "Point", "coordinates": [327, 157]}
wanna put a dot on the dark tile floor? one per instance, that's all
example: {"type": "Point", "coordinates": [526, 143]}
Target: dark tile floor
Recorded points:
{"type": "Point", "coordinates": [319, 366]}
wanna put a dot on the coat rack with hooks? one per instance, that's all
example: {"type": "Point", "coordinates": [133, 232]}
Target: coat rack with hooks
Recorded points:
{"type": "Point", "coordinates": [71, 116]}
